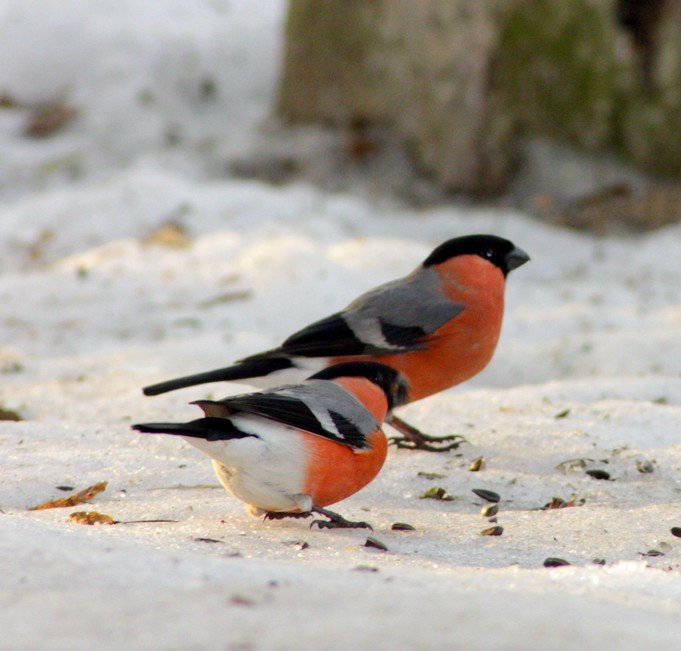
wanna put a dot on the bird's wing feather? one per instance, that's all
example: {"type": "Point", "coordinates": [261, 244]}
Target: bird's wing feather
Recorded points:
{"type": "Point", "coordinates": [316, 406]}
{"type": "Point", "coordinates": [396, 317]}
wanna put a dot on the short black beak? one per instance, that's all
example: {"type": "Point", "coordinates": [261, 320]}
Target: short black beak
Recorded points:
{"type": "Point", "coordinates": [516, 258]}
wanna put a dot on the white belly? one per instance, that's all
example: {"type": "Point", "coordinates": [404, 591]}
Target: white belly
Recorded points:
{"type": "Point", "coordinates": [267, 472]}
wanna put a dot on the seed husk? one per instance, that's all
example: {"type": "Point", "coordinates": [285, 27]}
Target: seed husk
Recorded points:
{"type": "Point", "coordinates": [645, 467]}
{"type": "Point", "coordinates": [676, 531]}
{"type": "Point", "coordinates": [652, 553]}
{"type": "Point", "coordinates": [489, 510]}
{"type": "Point", "coordinates": [402, 526]}
{"type": "Point", "coordinates": [430, 475]}
{"type": "Point", "coordinates": [492, 531]}
{"type": "Point", "coordinates": [553, 561]}
{"type": "Point", "coordinates": [375, 543]}
{"type": "Point", "coordinates": [208, 540]}
{"type": "Point", "coordinates": [437, 493]}
{"type": "Point", "coordinates": [91, 517]}
{"type": "Point", "coordinates": [298, 544]}
{"type": "Point", "coordinates": [477, 464]}
{"type": "Point", "coordinates": [562, 414]}
{"type": "Point", "coordinates": [597, 473]}
{"type": "Point", "coordinates": [80, 497]}
{"type": "Point", "coordinates": [555, 503]}
{"type": "Point", "coordinates": [485, 494]}
{"type": "Point", "coordinates": [598, 561]}
{"type": "Point", "coordinates": [9, 414]}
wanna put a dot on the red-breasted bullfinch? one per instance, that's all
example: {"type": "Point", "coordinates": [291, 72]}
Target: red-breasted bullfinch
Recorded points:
{"type": "Point", "coordinates": [292, 450]}
{"type": "Point", "coordinates": [438, 326]}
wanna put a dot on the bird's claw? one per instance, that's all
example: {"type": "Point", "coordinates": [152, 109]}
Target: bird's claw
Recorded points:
{"type": "Point", "coordinates": [415, 439]}
{"type": "Point", "coordinates": [336, 521]}
{"type": "Point", "coordinates": [428, 443]}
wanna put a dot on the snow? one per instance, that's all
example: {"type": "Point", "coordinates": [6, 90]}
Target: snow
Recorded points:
{"type": "Point", "coordinates": [93, 309]}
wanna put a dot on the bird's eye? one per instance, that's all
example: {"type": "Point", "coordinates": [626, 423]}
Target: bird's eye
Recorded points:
{"type": "Point", "coordinates": [489, 254]}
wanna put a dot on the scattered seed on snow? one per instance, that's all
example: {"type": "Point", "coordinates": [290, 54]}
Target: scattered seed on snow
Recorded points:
{"type": "Point", "coordinates": [240, 600]}
{"type": "Point", "coordinates": [485, 494]}
{"type": "Point", "coordinates": [489, 510]}
{"type": "Point", "coordinates": [298, 544]}
{"type": "Point", "coordinates": [477, 464]}
{"type": "Point", "coordinates": [645, 467]}
{"type": "Point", "coordinates": [555, 562]}
{"type": "Point", "coordinates": [402, 526]}
{"type": "Point", "coordinates": [598, 474]}
{"type": "Point", "coordinates": [207, 540]}
{"type": "Point", "coordinates": [375, 543]}
{"type": "Point", "coordinates": [437, 493]}
{"type": "Point", "coordinates": [430, 475]}
{"type": "Point", "coordinates": [492, 531]}
{"type": "Point", "coordinates": [676, 531]}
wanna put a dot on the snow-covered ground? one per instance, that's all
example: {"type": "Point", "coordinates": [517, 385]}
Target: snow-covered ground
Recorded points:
{"type": "Point", "coordinates": [96, 303]}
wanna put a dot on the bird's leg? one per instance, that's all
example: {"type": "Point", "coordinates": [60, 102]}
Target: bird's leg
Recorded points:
{"type": "Point", "coordinates": [280, 515]}
{"type": "Point", "coordinates": [336, 521]}
{"type": "Point", "coordinates": [415, 439]}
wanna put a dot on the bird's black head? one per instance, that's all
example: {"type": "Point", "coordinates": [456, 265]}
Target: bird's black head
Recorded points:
{"type": "Point", "coordinates": [392, 382]}
{"type": "Point", "coordinates": [497, 250]}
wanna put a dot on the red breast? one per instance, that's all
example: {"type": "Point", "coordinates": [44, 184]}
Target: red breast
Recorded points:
{"type": "Point", "coordinates": [464, 346]}
{"type": "Point", "coordinates": [336, 471]}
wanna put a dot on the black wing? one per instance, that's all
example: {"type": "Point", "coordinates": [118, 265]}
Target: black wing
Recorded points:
{"type": "Point", "coordinates": [349, 428]}
{"type": "Point", "coordinates": [333, 337]}
{"type": "Point", "coordinates": [329, 337]}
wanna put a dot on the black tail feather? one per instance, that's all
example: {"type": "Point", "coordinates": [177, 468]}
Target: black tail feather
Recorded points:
{"type": "Point", "coordinates": [209, 429]}
{"type": "Point", "coordinates": [241, 371]}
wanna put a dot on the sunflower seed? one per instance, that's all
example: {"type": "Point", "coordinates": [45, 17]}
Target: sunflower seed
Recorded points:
{"type": "Point", "coordinates": [489, 510]}
{"type": "Point", "coordinates": [492, 531]}
{"type": "Point", "coordinates": [485, 494]}
{"type": "Point", "coordinates": [402, 526]}
{"type": "Point", "coordinates": [437, 493]}
{"type": "Point", "coordinates": [375, 543]}
{"type": "Point", "coordinates": [430, 475]}
{"type": "Point", "coordinates": [598, 474]}
{"type": "Point", "coordinates": [676, 531]}
{"type": "Point", "coordinates": [477, 464]}
{"type": "Point", "coordinates": [208, 540]}
{"type": "Point", "coordinates": [645, 467]}
{"type": "Point", "coordinates": [555, 562]}
{"type": "Point", "coordinates": [652, 553]}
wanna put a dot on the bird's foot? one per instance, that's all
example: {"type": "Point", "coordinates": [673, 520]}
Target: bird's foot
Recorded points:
{"type": "Point", "coordinates": [414, 439]}
{"type": "Point", "coordinates": [280, 515]}
{"type": "Point", "coordinates": [336, 521]}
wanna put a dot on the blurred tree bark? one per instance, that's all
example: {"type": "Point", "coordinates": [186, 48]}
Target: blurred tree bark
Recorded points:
{"type": "Point", "coordinates": [424, 68]}
{"type": "Point", "coordinates": [459, 79]}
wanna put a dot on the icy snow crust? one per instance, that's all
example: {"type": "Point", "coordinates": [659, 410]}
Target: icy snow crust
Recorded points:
{"type": "Point", "coordinates": [587, 368]}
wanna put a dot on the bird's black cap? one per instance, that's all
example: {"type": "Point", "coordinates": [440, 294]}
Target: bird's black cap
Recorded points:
{"type": "Point", "coordinates": [392, 382]}
{"type": "Point", "coordinates": [500, 252]}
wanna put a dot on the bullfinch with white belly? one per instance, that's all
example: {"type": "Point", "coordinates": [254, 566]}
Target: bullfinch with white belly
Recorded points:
{"type": "Point", "coordinates": [293, 450]}
{"type": "Point", "coordinates": [438, 326]}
